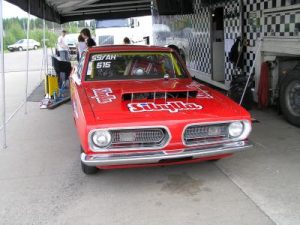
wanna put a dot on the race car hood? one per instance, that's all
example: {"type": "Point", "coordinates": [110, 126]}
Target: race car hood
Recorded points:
{"type": "Point", "coordinates": [175, 99]}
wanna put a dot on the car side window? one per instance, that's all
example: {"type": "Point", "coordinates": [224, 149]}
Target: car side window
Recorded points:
{"type": "Point", "coordinates": [80, 65]}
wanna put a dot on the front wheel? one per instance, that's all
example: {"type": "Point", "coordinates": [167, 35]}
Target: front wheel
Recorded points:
{"type": "Point", "coordinates": [20, 49]}
{"type": "Point", "coordinates": [89, 170]}
{"type": "Point", "coordinates": [290, 98]}
{"type": "Point", "coordinates": [35, 47]}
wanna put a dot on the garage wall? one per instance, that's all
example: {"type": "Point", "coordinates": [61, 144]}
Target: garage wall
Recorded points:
{"type": "Point", "coordinates": [232, 26]}
{"type": "Point", "coordinates": [260, 18]}
{"type": "Point", "coordinates": [193, 34]}
{"type": "Point", "coordinates": [269, 18]}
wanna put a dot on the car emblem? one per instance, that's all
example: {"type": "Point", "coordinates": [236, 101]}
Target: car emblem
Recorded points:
{"type": "Point", "coordinates": [103, 95]}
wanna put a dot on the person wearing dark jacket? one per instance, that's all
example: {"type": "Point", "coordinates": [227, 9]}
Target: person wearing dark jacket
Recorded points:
{"type": "Point", "coordinates": [86, 34]}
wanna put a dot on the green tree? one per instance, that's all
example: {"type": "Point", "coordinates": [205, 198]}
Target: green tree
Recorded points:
{"type": "Point", "coordinates": [51, 38]}
{"type": "Point", "coordinates": [73, 29]}
{"type": "Point", "coordinates": [17, 31]}
{"type": "Point", "coordinates": [13, 33]}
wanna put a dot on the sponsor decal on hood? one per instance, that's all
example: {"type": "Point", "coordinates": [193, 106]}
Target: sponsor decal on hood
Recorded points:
{"type": "Point", "coordinates": [172, 107]}
{"type": "Point", "coordinates": [103, 95]}
{"type": "Point", "coordinates": [201, 93]}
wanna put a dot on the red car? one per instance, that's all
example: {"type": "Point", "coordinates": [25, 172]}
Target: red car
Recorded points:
{"type": "Point", "coordinates": [138, 106]}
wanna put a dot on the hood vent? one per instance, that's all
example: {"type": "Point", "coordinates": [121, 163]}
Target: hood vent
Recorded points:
{"type": "Point", "coordinates": [159, 95]}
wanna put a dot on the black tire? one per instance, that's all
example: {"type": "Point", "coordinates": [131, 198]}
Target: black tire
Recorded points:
{"type": "Point", "coordinates": [237, 87]}
{"type": "Point", "coordinates": [89, 170]}
{"type": "Point", "coordinates": [214, 160]}
{"type": "Point", "coordinates": [290, 98]}
{"type": "Point", "coordinates": [35, 47]}
{"type": "Point", "coordinates": [20, 49]}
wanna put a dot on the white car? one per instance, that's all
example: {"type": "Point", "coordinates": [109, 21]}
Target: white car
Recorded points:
{"type": "Point", "coordinates": [71, 41]}
{"type": "Point", "coordinates": [22, 45]}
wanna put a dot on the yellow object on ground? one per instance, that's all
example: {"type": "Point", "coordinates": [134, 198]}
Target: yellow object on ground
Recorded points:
{"type": "Point", "coordinates": [51, 85]}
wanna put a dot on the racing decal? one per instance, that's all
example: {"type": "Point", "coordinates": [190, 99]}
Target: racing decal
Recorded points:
{"type": "Point", "coordinates": [201, 93]}
{"type": "Point", "coordinates": [103, 57]}
{"type": "Point", "coordinates": [103, 61]}
{"type": "Point", "coordinates": [105, 65]}
{"type": "Point", "coordinates": [195, 84]}
{"type": "Point", "coordinates": [103, 95]}
{"type": "Point", "coordinates": [172, 107]}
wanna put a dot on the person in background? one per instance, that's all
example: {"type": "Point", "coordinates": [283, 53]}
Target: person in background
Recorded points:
{"type": "Point", "coordinates": [81, 46]}
{"type": "Point", "coordinates": [86, 34]}
{"type": "Point", "coordinates": [126, 41]}
{"type": "Point", "coordinates": [62, 47]}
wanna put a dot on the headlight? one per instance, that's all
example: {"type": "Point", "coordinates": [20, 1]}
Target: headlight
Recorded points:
{"type": "Point", "coordinates": [101, 138]}
{"type": "Point", "coordinates": [235, 129]}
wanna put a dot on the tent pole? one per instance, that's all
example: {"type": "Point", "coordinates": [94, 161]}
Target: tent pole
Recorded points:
{"type": "Point", "coordinates": [43, 70]}
{"type": "Point", "coordinates": [27, 56]}
{"type": "Point", "coordinates": [3, 106]}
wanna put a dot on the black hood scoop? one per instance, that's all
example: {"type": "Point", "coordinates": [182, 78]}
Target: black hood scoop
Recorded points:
{"type": "Point", "coordinates": [159, 95]}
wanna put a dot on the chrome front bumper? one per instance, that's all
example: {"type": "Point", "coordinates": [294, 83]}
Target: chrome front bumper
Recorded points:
{"type": "Point", "coordinates": [155, 157]}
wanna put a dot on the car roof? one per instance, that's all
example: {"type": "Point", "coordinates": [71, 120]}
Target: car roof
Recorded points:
{"type": "Point", "coordinates": [116, 48]}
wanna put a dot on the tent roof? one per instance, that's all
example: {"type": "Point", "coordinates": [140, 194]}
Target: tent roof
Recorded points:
{"type": "Point", "coordinates": [62, 11]}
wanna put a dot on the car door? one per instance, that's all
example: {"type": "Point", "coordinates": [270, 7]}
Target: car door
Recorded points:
{"type": "Point", "coordinates": [25, 44]}
{"type": "Point", "coordinates": [21, 44]}
{"type": "Point", "coordinates": [75, 84]}
{"type": "Point", "coordinates": [31, 44]}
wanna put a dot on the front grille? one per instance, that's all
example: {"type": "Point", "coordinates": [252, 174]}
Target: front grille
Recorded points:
{"type": "Point", "coordinates": [145, 138]}
{"type": "Point", "coordinates": [206, 134]}
{"type": "Point", "coordinates": [106, 40]}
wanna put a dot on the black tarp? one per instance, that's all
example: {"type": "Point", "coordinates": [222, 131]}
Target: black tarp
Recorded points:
{"type": "Point", "coordinates": [211, 2]}
{"type": "Point", "coordinates": [175, 7]}
{"type": "Point", "coordinates": [62, 11]}
{"type": "Point", "coordinates": [38, 8]}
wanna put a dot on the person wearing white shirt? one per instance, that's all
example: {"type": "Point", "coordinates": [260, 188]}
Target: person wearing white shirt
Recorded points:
{"type": "Point", "coordinates": [62, 47]}
{"type": "Point", "coordinates": [81, 46]}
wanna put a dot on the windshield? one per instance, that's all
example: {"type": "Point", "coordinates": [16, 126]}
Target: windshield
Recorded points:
{"type": "Point", "coordinates": [112, 23]}
{"type": "Point", "coordinates": [134, 65]}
